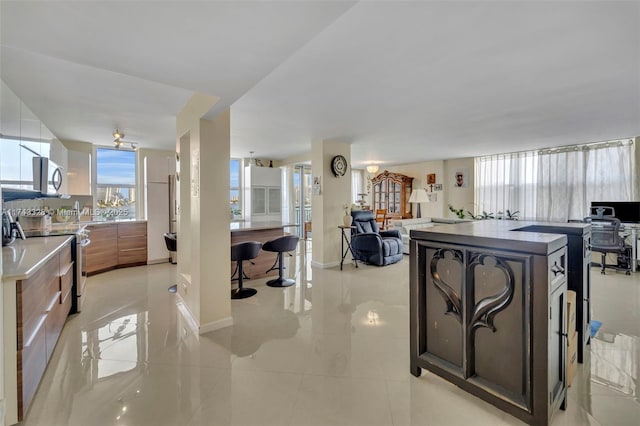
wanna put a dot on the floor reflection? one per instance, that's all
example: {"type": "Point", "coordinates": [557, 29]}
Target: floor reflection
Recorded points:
{"type": "Point", "coordinates": [615, 361]}
{"type": "Point", "coordinates": [123, 338]}
{"type": "Point", "coordinates": [332, 349]}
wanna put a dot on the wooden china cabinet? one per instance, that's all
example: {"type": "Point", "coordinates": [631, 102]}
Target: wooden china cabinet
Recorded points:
{"type": "Point", "coordinates": [391, 191]}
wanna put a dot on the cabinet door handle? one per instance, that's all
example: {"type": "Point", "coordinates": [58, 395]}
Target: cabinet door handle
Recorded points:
{"type": "Point", "coordinates": [132, 236]}
{"type": "Point", "coordinates": [134, 249]}
{"type": "Point", "coordinates": [557, 269]}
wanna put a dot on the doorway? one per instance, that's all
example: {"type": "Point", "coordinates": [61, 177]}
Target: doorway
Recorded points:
{"type": "Point", "coordinates": [302, 200]}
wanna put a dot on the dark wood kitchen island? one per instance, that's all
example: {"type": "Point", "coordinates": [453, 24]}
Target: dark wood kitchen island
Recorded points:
{"type": "Point", "coordinates": [488, 312]}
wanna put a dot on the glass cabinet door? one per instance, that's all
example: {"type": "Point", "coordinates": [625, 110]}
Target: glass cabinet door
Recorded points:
{"type": "Point", "coordinates": [391, 192]}
{"type": "Point", "coordinates": [407, 195]}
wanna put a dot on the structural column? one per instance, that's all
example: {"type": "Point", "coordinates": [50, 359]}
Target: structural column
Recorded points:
{"type": "Point", "coordinates": [203, 146]}
{"type": "Point", "coordinates": [327, 207]}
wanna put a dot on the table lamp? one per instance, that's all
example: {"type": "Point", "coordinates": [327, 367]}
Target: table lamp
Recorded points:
{"type": "Point", "coordinates": [419, 196]}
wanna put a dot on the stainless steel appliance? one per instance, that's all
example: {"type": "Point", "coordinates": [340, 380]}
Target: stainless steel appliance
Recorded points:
{"type": "Point", "coordinates": [82, 242]}
{"type": "Point", "coordinates": [173, 213]}
{"type": "Point", "coordinates": [47, 175]}
{"type": "Point", "coordinates": [173, 205]}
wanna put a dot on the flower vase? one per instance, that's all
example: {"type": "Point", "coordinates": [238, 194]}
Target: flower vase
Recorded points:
{"type": "Point", "coordinates": [347, 219]}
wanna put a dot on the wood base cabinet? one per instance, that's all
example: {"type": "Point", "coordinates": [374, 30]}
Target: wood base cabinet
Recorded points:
{"type": "Point", "coordinates": [43, 302]}
{"type": "Point", "coordinates": [116, 245]}
{"type": "Point", "coordinates": [132, 244]}
{"type": "Point", "coordinates": [102, 253]}
{"type": "Point", "coordinates": [492, 320]}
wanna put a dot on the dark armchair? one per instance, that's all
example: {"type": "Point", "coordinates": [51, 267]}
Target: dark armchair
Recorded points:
{"type": "Point", "coordinates": [370, 245]}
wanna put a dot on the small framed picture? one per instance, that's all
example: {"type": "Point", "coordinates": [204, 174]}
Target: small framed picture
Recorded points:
{"type": "Point", "coordinates": [460, 178]}
{"type": "Point", "coordinates": [431, 178]}
{"type": "Point", "coordinates": [437, 187]}
{"type": "Point", "coordinates": [317, 187]}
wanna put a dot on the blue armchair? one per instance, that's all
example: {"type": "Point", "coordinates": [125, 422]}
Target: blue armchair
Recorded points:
{"type": "Point", "coordinates": [370, 245]}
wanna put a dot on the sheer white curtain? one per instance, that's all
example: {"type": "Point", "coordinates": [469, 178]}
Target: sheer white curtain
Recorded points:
{"type": "Point", "coordinates": [357, 184]}
{"type": "Point", "coordinates": [507, 182]}
{"type": "Point", "coordinates": [555, 184]}
{"type": "Point", "coordinates": [569, 179]}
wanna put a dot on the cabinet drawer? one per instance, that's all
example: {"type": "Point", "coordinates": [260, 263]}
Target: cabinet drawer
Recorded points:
{"type": "Point", "coordinates": [134, 255]}
{"type": "Point", "coordinates": [66, 282]}
{"type": "Point", "coordinates": [65, 257]}
{"type": "Point", "coordinates": [132, 243]}
{"type": "Point", "coordinates": [103, 232]}
{"type": "Point", "coordinates": [132, 229]}
{"type": "Point", "coordinates": [54, 324]}
{"type": "Point", "coordinates": [33, 297]}
{"type": "Point", "coordinates": [32, 361]}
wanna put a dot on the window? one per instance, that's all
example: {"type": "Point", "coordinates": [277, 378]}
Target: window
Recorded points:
{"type": "Point", "coordinates": [555, 184]}
{"type": "Point", "coordinates": [16, 161]}
{"type": "Point", "coordinates": [235, 194]}
{"type": "Point", "coordinates": [357, 186]}
{"type": "Point", "coordinates": [116, 183]}
{"type": "Point", "coordinates": [506, 182]}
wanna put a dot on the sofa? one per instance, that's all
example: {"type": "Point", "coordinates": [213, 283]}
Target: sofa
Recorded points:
{"type": "Point", "coordinates": [406, 225]}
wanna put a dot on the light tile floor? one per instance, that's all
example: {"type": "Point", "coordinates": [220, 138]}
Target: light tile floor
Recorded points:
{"type": "Point", "coordinates": [331, 350]}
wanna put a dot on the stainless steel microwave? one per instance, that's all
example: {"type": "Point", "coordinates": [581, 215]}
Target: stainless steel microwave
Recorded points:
{"type": "Point", "coordinates": [47, 175]}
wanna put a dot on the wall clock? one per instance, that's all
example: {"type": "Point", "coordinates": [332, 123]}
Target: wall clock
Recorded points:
{"type": "Point", "coordinates": [339, 165]}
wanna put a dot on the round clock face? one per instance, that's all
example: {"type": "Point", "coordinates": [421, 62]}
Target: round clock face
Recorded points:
{"type": "Point", "coordinates": [339, 165]}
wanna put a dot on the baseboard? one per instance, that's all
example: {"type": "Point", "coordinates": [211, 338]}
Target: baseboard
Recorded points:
{"type": "Point", "coordinates": [188, 316]}
{"type": "Point", "coordinates": [194, 324]}
{"type": "Point", "coordinates": [216, 325]}
{"type": "Point", "coordinates": [328, 265]}
{"type": "Point", "coordinates": [156, 261]}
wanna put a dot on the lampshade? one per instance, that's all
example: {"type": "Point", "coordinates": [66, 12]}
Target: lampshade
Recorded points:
{"type": "Point", "coordinates": [419, 196]}
{"type": "Point", "coordinates": [372, 168]}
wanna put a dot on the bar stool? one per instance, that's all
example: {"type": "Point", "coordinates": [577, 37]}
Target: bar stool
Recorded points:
{"type": "Point", "coordinates": [280, 245]}
{"type": "Point", "coordinates": [241, 252]}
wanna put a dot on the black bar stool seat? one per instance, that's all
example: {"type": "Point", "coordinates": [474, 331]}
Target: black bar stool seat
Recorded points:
{"type": "Point", "coordinates": [241, 252]}
{"type": "Point", "coordinates": [280, 245]}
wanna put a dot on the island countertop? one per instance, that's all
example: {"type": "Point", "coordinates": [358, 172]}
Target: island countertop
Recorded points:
{"type": "Point", "coordinates": [23, 258]}
{"type": "Point", "coordinates": [257, 226]}
{"type": "Point", "coordinates": [534, 236]}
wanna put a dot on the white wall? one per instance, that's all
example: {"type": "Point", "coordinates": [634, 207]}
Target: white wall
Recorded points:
{"type": "Point", "coordinates": [445, 175]}
{"type": "Point", "coordinates": [460, 197]}
{"type": "Point", "coordinates": [419, 171]}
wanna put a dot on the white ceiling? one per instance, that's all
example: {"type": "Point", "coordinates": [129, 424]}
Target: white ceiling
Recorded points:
{"type": "Point", "coordinates": [402, 81]}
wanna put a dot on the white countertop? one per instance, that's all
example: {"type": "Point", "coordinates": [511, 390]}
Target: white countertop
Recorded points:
{"type": "Point", "coordinates": [23, 258]}
{"type": "Point", "coordinates": [113, 222]}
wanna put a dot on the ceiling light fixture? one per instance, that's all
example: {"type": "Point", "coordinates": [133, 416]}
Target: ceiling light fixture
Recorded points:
{"type": "Point", "coordinates": [373, 168]}
{"type": "Point", "coordinates": [118, 142]}
{"type": "Point", "coordinates": [117, 134]}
